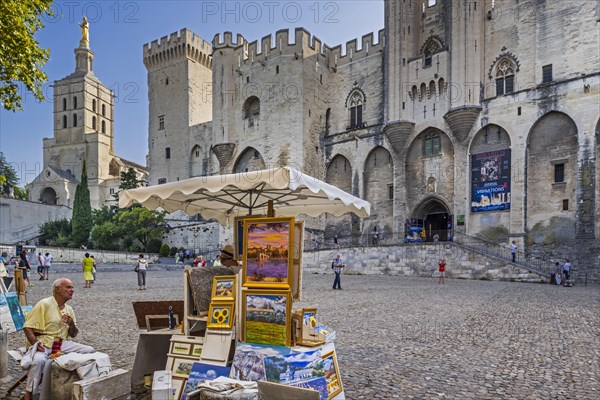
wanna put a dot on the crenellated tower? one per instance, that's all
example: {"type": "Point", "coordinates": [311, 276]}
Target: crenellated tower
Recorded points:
{"type": "Point", "coordinates": [179, 96]}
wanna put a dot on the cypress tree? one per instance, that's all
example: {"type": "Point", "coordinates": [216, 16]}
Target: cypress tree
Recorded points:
{"type": "Point", "coordinates": [81, 223]}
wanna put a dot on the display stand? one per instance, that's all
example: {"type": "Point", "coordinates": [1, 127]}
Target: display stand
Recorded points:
{"type": "Point", "coordinates": [20, 287]}
{"type": "Point", "coordinates": [194, 321]}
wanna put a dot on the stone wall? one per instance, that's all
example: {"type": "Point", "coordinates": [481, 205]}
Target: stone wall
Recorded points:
{"type": "Point", "coordinates": [21, 219]}
{"type": "Point", "coordinates": [419, 260]}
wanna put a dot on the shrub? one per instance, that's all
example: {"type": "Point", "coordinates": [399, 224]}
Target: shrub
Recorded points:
{"type": "Point", "coordinates": [135, 248]}
{"type": "Point", "coordinates": [154, 245]}
{"type": "Point", "coordinates": [173, 251]}
{"type": "Point", "coordinates": [164, 250]}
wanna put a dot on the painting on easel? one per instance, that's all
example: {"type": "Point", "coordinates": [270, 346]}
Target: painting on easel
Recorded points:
{"type": "Point", "coordinates": [269, 252]}
{"type": "Point", "coordinates": [11, 312]}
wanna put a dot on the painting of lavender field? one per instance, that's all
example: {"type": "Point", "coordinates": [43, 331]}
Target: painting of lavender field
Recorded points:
{"type": "Point", "coordinates": [267, 259]}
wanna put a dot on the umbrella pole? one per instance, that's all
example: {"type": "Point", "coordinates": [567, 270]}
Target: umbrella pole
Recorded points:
{"type": "Point", "coordinates": [270, 209]}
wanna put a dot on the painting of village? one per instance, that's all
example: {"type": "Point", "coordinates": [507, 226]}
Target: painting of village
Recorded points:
{"type": "Point", "coordinates": [267, 259]}
{"type": "Point", "coordinates": [305, 370]}
{"type": "Point", "coordinates": [267, 318]}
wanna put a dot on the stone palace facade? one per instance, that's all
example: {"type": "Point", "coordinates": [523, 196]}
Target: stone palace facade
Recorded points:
{"type": "Point", "coordinates": [458, 117]}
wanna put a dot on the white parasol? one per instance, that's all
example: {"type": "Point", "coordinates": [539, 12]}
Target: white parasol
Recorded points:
{"type": "Point", "coordinates": [224, 197]}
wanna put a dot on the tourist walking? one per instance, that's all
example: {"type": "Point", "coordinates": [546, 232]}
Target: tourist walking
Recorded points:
{"type": "Point", "coordinates": [337, 265]}
{"type": "Point", "coordinates": [567, 270]}
{"type": "Point", "coordinates": [47, 265]}
{"type": "Point", "coordinates": [441, 270]}
{"type": "Point", "coordinates": [88, 270]}
{"type": "Point", "coordinates": [513, 251]}
{"type": "Point", "coordinates": [93, 270]}
{"type": "Point", "coordinates": [557, 274]}
{"type": "Point", "coordinates": [23, 266]}
{"type": "Point", "coordinates": [140, 267]}
{"type": "Point", "coordinates": [41, 265]}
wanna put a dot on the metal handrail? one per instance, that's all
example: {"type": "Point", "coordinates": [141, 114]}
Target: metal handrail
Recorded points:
{"type": "Point", "coordinates": [531, 263]}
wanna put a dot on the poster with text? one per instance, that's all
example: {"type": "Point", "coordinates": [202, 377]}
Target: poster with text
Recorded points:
{"type": "Point", "coordinates": [490, 181]}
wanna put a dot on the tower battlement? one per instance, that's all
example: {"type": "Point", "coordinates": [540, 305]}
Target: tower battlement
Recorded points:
{"type": "Point", "coordinates": [351, 52]}
{"type": "Point", "coordinates": [184, 43]}
{"type": "Point", "coordinates": [304, 45]}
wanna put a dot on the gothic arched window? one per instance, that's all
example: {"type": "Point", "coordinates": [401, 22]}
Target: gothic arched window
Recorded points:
{"type": "Point", "coordinates": [505, 77]}
{"type": "Point", "coordinates": [94, 123]}
{"type": "Point", "coordinates": [74, 120]}
{"type": "Point", "coordinates": [64, 104]}
{"type": "Point", "coordinates": [94, 105]}
{"type": "Point", "coordinates": [103, 127]}
{"type": "Point", "coordinates": [251, 110]}
{"type": "Point", "coordinates": [432, 145]}
{"type": "Point", "coordinates": [64, 121]}
{"type": "Point", "coordinates": [356, 110]}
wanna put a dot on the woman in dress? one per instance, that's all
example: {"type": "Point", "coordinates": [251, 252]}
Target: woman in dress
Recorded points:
{"type": "Point", "coordinates": [88, 270]}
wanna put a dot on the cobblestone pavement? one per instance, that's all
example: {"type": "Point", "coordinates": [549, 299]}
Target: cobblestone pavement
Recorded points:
{"type": "Point", "coordinates": [399, 337]}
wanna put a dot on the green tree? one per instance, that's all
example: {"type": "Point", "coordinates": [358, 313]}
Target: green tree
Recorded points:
{"type": "Point", "coordinates": [141, 224]}
{"type": "Point", "coordinates": [8, 177]}
{"type": "Point", "coordinates": [103, 214]}
{"type": "Point", "coordinates": [81, 223]}
{"type": "Point", "coordinates": [129, 180]}
{"type": "Point", "coordinates": [50, 231]}
{"type": "Point", "coordinates": [105, 236]}
{"type": "Point", "coordinates": [21, 58]}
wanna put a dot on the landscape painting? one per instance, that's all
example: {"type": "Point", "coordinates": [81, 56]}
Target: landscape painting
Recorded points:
{"type": "Point", "coordinates": [247, 362]}
{"type": "Point", "coordinates": [269, 251]}
{"type": "Point", "coordinates": [266, 317]}
{"type": "Point", "coordinates": [224, 288]}
{"type": "Point", "coordinates": [203, 372]}
{"type": "Point", "coordinates": [303, 370]}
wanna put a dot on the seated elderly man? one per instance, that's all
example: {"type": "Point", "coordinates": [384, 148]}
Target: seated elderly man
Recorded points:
{"type": "Point", "coordinates": [51, 318]}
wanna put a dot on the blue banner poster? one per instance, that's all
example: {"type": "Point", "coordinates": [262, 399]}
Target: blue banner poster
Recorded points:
{"type": "Point", "coordinates": [490, 181]}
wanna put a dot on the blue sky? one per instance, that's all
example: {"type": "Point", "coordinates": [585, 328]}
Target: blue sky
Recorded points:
{"type": "Point", "coordinates": [118, 31]}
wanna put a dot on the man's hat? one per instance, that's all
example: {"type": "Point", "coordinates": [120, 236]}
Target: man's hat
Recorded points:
{"type": "Point", "coordinates": [228, 251]}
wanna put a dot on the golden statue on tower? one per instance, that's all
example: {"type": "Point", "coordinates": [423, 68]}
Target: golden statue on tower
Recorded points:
{"type": "Point", "coordinates": [84, 42]}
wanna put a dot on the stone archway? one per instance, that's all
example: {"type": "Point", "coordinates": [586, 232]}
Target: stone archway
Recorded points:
{"type": "Point", "coordinates": [551, 181]}
{"type": "Point", "coordinates": [196, 162]}
{"type": "Point", "coordinates": [249, 160]}
{"type": "Point", "coordinates": [48, 196]}
{"type": "Point", "coordinates": [433, 212]}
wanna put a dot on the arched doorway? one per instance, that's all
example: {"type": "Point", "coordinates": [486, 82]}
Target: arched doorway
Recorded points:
{"type": "Point", "coordinates": [430, 218]}
{"type": "Point", "coordinates": [48, 196]}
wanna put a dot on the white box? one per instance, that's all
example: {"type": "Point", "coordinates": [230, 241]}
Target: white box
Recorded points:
{"type": "Point", "coordinates": [162, 386]}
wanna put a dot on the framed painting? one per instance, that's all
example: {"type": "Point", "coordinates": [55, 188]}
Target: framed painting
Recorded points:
{"type": "Point", "coordinates": [332, 375]}
{"type": "Point", "coordinates": [197, 350]}
{"type": "Point", "coordinates": [266, 317]}
{"type": "Point", "coordinates": [238, 234]}
{"type": "Point", "coordinates": [203, 372]}
{"type": "Point", "coordinates": [220, 315]}
{"type": "Point", "coordinates": [182, 367]}
{"type": "Point", "coordinates": [181, 348]}
{"type": "Point", "coordinates": [178, 387]}
{"type": "Point", "coordinates": [309, 317]}
{"type": "Point", "coordinates": [268, 256]}
{"type": "Point", "coordinates": [224, 288]}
